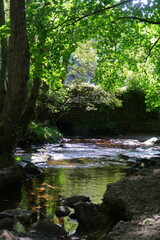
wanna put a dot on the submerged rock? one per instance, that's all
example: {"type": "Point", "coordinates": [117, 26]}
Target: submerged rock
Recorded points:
{"type": "Point", "coordinates": [35, 158]}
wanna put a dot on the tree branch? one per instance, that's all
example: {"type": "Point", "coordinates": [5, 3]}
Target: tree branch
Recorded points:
{"type": "Point", "coordinates": [75, 20]}
{"type": "Point", "coordinates": [149, 52]}
{"type": "Point", "coordinates": [140, 19]}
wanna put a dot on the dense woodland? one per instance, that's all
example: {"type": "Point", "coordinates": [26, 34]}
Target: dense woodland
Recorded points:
{"type": "Point", "coordinates": [88, 68]}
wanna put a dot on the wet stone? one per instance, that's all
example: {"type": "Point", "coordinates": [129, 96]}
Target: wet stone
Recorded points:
{"type": "Point", "coordinates": [62, 211]}
{"type": "Point", "coordinates": [25, 217]}
{"type": "Point", "coordinates": [73, 201]}
{"type": "Point", "coordinates": [88, 216]}
{"type": "Point", "coordinates": [45, 226]}
{"type": "Point", "coordinates": [30, 168]}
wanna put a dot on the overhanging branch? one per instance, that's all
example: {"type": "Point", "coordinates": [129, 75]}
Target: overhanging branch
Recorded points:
{"type": "Point", "coordinates": [140, 19]}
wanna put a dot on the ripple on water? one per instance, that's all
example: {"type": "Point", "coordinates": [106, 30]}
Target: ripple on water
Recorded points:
{"type": "Point", "coordinates": [72, 155]}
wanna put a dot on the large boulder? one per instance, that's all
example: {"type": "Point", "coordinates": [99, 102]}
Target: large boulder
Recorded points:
{"type": "Point", "coordinates": [147, 229]}
{"type": "Point", "coordinates": [130, 209]}
{"type": "Point", "coordinates": [13, 196]}
{"type": "Point", "coordinates": [132, 206]}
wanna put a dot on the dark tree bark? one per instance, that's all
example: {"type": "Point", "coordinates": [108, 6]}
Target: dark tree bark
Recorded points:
{"type": "Point", "coordinates": [3, 68]}
{"type": "Point", "coordinates": [18, 75]}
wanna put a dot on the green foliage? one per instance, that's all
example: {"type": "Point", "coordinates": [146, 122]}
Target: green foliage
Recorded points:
{"type": "Point", "coordinates": [125, 56]}
{"type": "Point", "coordinates": [85, 96]}
{"type": "Point", "coordinates": [79, 117]}
{"type": "Point", "coordinates": [39, 132]}
{"type": "Point", "coordinates": [126, 43]}
{"type": "Point", "coordinates": [17, 158]}
{"type": "Point", "coordinates": [153, 96]}
{"type": "Point", "coordinates": [5, 30]}
{"type": "Point", "coordinates": [133, 116]}
{"type": "Point", "coordinates": [52, 38]}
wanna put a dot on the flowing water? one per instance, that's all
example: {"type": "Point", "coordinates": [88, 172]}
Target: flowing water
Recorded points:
{"type": "Point", "coordinates": [77, 168]}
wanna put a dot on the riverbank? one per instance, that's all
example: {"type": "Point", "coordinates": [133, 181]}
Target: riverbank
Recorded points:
{"type": "Point", "coordinates": [132, 205]}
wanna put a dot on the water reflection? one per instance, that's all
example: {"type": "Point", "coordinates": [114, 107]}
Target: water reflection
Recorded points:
{"type": "Point", "coordinates": [43, 193]}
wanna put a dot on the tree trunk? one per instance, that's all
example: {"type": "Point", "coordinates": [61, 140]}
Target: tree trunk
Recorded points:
{"type": "Point", "coordinates": [29, 110]}
{"type": "Point", "coordinates": [18, 74]}
{"type": "Point", "coordinates": [3, 68]}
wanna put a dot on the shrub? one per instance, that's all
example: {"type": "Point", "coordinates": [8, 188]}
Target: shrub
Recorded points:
{"type": "Point", "coordinates": [42, 133]}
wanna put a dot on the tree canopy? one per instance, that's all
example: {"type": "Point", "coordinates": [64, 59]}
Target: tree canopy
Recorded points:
{"type": "Point", "coordinates": [124, 34]}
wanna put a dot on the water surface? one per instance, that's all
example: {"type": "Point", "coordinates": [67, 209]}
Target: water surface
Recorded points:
{"type": "Point", "coordinates": [78, 169]}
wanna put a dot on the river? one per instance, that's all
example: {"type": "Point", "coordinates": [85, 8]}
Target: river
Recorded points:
{"type": "Point", "coordinates": [78, 167]}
